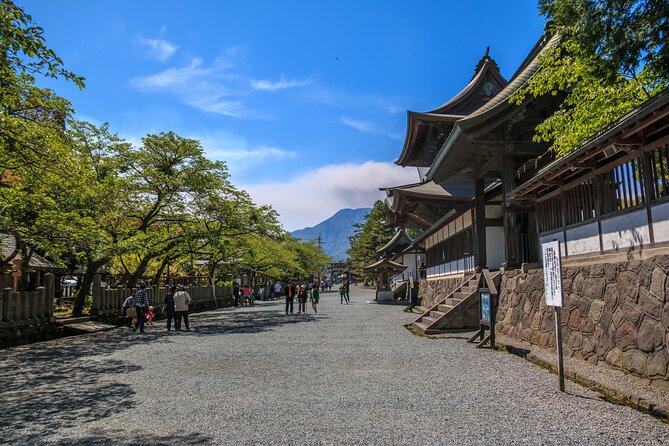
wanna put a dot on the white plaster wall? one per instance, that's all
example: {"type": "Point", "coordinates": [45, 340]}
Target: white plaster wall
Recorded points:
{"type": "Point", "coordinates": [494, 248]}
{"type": "Point", "coordinates": [661, 222]}
{"type": "Point", "coordinates": [583, 239]}
{"type": "Point", "coordinates": [494, 211]}
{"type": "Point", "coordinates": [625, 231]}
{"type": "Point", "coordinates": [557, 235]}
{"type": "Point", "coordinates": [467, 219]}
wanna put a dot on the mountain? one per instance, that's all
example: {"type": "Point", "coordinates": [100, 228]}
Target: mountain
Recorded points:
{"type": "Point", "coordinates": [334, 232]}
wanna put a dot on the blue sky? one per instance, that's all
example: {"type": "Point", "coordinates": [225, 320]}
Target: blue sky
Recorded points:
{"type": "Point", "coordinates": [306, 101]}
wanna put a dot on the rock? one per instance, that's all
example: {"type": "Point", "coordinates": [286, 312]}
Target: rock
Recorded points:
{"type": "Point", "coordinates": [611, 296]}
{"type": "Point", "coordinates": [610, 272]}
{"type": "Point", "coordinates": [586, 326]}
{"type": "Point", "coordinates": [596, 309]}
{"type": "Point", "coordinates": [575, 340]}
{"type": "Point", "coordinates": [657, 364]}
{"type": "Point", "coordinates": [571, 301]}
{"type": "Point", "coordinates": [650, 336]}
{"type": "Point", "coordinates": [577, 285]}
{"type": "Point", "coordinates": [626, 336]}
{"type": "Point", "coordinates": [665, 316]}
{"type": "Point", "coordinates": [584, 305]}
{"type": "Point", "coordinates": [618, 317]}
{"type": "Point", "coordinates": [628, 285]}
{"type": "Point", "coordinates": [657, 283]}
{"type": "Point", "coordinates": [544, 339]}
{"type": "Point", "coordinates": [593, 287]}
{"type": "Point", "coordinates": [662, 262]}
{"type": "Point", "coordinates": [603, 346]}
{"type": "Point", "coordinates": [597, 270]}
{"type": "Point", "coordinates": [614, 358]}
{"type": "Point", "coordinates": [606, 318]}
{"type": "Point", "coordinates": [574, 320]}
{"type": "Point", "coordinates": [650, 304]}
{"type": "Point", "coordinates": [547, 319]}
{"type": "Point", "coordinates": [633, 312]}
{"type": "Point", "coordinates": [634, 362]}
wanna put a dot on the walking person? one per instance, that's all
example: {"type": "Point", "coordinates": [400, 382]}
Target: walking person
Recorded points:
{"type": "Point", "coordinates": [342, 294]}
{"type": "Point", "coordinates": [169, 308]}
{"type": "Point", "coordinates": [315, 295]}
{"type": "Point", "coordinates": [235, 293]}
{"type": "Point", "coordinates": [181, 302]}
{"type": "Point", "coordinates": [246, 298]}
{"type": "Point", "coordinates": [277, 290]}
{"type": "Point", "coordinates": [302, 299]}
{"type": "Point", "coordinates": [290, 296]}
{"type": "Point", "coordinates": [141, 303]}
{"type": "Point", "coordinates": [347, 286]}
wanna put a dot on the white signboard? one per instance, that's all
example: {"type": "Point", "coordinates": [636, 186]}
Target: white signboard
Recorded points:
{"type": "Point", "coordinates": [552, 273]}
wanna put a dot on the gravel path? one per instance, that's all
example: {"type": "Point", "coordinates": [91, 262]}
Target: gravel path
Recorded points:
{"type": "Point", "coordinates": [351, 375]}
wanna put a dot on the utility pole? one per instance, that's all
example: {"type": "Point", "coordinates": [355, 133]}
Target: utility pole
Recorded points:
{"type": "Point", "coordinates": [319, 243]}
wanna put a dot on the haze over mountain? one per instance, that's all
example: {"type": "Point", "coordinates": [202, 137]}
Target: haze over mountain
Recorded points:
{"type": "Point", "coordinates": [334, 231]}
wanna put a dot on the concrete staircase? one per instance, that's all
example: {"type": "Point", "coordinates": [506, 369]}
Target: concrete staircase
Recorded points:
{"type": "Point", "coordinates": [459, 310]}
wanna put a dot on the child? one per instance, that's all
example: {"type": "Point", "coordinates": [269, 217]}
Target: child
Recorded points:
{"type": "Point", "coordinates": [149, 316]}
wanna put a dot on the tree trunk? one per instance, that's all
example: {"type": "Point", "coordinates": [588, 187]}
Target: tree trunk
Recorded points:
{"type": "Point", "coordinates": [92, 268]}
{"type": "Point", "coordinates": [24, 280]}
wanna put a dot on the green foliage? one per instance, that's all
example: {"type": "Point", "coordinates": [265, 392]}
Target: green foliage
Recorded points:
{"type": "Point", "coordinates": [369, 236]}
{"type": "Point", "coordinates": [610, 59]}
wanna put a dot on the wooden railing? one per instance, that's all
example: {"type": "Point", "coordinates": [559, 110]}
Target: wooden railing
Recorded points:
{"type": "Point", "coordinates": [20, 309]}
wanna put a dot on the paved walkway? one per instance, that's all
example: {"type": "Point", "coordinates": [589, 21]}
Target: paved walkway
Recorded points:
{"type": "Point", "coordinates": [351, 375]}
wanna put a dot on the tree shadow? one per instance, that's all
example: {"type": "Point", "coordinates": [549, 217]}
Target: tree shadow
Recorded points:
{"type": "Point", "coordinates": [137, 438]}
{"type": "Point", "coordinates": [51, 386]}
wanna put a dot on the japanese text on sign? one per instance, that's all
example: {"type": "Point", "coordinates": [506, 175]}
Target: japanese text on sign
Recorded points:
{"type": "Point", "coordinates": [552, 273]}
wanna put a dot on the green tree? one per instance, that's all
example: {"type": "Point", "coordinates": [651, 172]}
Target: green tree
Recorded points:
{"type": "Point", "coordinates": [610, 59]}
{"type": "Point", "coordinates": [369, 236]}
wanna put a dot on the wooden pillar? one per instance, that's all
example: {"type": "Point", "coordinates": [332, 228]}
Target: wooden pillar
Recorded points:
{"type": "Point", "coordinates": [480, 236]}
{"type": "Point", "coordinates": [96, 305]}
{"type": "Point", "coordinates": [511, 238]}
{"type": "Point", "coordinates": [50, 285]}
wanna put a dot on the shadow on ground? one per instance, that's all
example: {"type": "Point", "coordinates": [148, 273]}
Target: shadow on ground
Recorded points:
{"type": "Point", "coordinates": [122, 439]}
{"type": "Point", "coordinates": [51, 386]}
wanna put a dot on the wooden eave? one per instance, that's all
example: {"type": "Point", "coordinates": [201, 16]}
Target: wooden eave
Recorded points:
{"type": "Point", "coordinates": [645, 128]}
{"type": "Point", "coordinates": [384, 264]}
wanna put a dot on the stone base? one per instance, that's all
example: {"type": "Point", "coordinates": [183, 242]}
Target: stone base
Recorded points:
{"type": "Point", "coordinates": [384, 296]}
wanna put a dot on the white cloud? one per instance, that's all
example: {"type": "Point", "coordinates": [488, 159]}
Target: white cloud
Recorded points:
{"type": "Point", "coordinates": [311, 197]}
{"type": "Point", "coordinates": [367, 127]}
{"type": "Point", "coordinates": [281, 84]}
{"type": "Point", "coordinates": [200, 86]}
{"type": "Point", "coordinates": [237, 152]}
{"type": "Point", "coordinates": [158, 48]}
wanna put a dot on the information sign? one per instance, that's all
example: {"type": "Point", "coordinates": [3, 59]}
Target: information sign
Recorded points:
{"type": "Point", "coordinates": [485, 306]}
{"type": "Point", "coordinates": [552, 273]}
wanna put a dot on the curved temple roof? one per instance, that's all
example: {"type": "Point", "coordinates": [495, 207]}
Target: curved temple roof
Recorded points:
{"type": "Point", "coordinates": [435, 125]}
{"type": "Point", "coordinates": [448, 161]}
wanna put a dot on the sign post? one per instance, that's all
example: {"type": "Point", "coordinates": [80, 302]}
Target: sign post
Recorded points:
{"type": "Point", "coordinates": [553, 295]}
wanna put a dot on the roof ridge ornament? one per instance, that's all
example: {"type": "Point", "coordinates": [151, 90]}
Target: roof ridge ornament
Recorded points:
{"type": "Point", "coordinates": [485, 59]}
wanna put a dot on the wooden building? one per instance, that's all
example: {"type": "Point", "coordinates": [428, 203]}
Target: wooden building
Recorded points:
{"type": "Point", "coordinates": [606, 201]}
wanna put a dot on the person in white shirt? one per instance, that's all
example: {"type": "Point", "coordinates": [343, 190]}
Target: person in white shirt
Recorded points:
{"type": "Point", "coordinates": [181, 301]}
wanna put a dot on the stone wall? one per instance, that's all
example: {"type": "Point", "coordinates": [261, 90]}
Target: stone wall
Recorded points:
{"type": "Point", "coordinates": [617, 313]}
{"type": "Point", "coordinates": [433, 290]}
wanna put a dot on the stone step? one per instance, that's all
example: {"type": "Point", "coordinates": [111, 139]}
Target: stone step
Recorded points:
{"type": "Point", "coordinates": [427, 320]}
{"type": "Point", "coordinates": [421, 326]}
{"type": "Point", "coordinates": [444, 308]}
{"type": "Point", "coordinates": [452, 301]}
{"type": "Point", "coordinates": [72, 320]}
{"type": "Point", "coordinates": [436, 314]}
{"type": "Point", "coordinates": [468, 289]}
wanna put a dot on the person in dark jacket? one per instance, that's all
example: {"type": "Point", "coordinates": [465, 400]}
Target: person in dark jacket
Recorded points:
{"type": "Point", "coordinates": [169, 307]}
{"type": "Point", "coordinates": [235, 293]}
{"type": "Point", "coordinates": [290, 292]}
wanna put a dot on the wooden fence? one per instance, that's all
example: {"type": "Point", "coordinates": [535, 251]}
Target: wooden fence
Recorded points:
{"type": "Point", "coordinates": [107, 301]}
{"type": "Point", "coordinates": [27, 308]}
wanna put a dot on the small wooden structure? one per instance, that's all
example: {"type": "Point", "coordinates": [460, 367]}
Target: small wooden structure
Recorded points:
{"type": "Point", "coordinates": [384, 269]}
